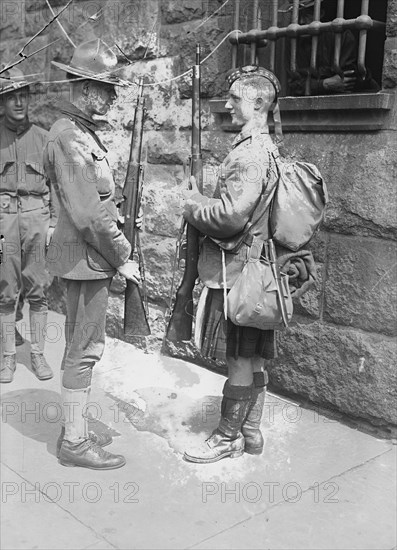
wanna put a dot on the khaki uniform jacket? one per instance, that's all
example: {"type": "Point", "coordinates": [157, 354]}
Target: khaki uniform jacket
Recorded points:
{"type": "Point", "coordinates": [238, 211]}
{"type": "Point", "coordinates": [21, 169]}
{"type": "Point", "coordinates": [87, 244]}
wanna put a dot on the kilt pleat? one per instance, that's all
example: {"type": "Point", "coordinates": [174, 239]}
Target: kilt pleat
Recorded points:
{"type": "Point", "coordinates": [221, 338]}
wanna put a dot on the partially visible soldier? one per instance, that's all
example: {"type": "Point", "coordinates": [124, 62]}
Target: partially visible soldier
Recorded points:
{"type": "Point", "coordinates": [27, 219]}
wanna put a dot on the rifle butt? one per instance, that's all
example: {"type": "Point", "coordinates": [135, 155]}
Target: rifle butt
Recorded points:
{"type": "Point", "coordinates": [180, 325]}
{"type": "Point", "coordinates": [135, 320]}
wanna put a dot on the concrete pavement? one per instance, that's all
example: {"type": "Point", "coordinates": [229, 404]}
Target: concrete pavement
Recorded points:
{"type": "Point", "coordinates": [319, 484]}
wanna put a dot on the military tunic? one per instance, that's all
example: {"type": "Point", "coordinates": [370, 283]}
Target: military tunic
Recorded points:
{"type": "Point", "coordinates": [87, 245]}
{"type": "Point", "coordinates": [234, 219]}
{"type": "Point", "coordinates": [26, 212]}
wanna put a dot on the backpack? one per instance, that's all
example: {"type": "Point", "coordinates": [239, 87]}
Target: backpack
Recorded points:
{"type": "Point", "coordinates": [298, 205]}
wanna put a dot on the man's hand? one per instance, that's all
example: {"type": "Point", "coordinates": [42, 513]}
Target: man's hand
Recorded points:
{"type": "Point", "coordinates": [190, 188]}
{"type": "Point", "coordinates": [336, 84]}
{"type": "Point", "coordinates": [130, 270]}
{"type": "Point", "coordinates": [48, 237]}
{"type": "Point", "coordinates": [139, 220]}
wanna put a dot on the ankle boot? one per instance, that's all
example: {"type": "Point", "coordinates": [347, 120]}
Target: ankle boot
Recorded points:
{"type": "Point", "coordinates": [7, 368]}
{"type": "Point", "coordinates": [251, 425]}
{"type": "Point", "coordinates": [227, 439]}
{"type": "Point", "coordinates": [76, 448]}
{"type": "Point", "coordinates": [87, 454]}
{"type": "Point", "coordinates": [102, 439]}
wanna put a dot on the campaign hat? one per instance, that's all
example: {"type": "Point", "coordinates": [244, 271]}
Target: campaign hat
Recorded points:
{"type": "Point", "coordinates": [93, 60]}
{"type": "Point", "coordinates": [13, 79]}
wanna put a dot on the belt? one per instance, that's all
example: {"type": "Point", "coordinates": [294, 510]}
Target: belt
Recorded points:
{"type": "Point", "coordinates": [11, 204]}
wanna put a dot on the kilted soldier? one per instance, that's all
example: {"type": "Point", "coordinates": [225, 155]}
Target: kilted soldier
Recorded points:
{"type": "Point", "coordinates": [27, 220]}
{"type": "Point", "coordinates": [87, 248]}
{"type": "Point", "coordinates": [246, 174]}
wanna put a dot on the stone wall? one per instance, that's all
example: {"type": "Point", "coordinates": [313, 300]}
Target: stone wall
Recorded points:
{"type": "Point", "coordinates": [340, 351]}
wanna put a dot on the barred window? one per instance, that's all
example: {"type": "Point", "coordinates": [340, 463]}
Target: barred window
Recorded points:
{"type": "Point", "coordinates": [315, 47]}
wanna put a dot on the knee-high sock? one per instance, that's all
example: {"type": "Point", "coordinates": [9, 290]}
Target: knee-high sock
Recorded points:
{"type": "Point", "coordinates": [74, 405]}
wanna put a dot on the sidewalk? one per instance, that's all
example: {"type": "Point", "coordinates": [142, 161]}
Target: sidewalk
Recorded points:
{"type": "Point", "coordinates": [318, 485]}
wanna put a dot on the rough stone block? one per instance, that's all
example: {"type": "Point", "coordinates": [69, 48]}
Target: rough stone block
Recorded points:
{"type": "Point", "coordinates": [35, 5]}
{"type": "Point", "coordinates": [389, 75]}
{"type": "Point", "coordinates": [159, 257]}
{"type": "Point", "coordinates": [361, 285]}
{"type": "Point", "coordinates": [391, 23]}
{"type": "Point", "coordinates": [162, 201]}
{"type": "Point", "coordinates": [168, 147]}
{"type": "Point", "coordinates": [165, 109]}
{"type": "Point", "coordinates": [180, 40]}
{"type": "Point", "coordinates": [310, 303]}
{"type": "Point", "coordinates": [12, 18]}
{"type": "Point", "coordinates": [133, 26]}
{"type": "Point", "coordinates": [348, 370]}
{"type": "Point", "coordinates": [318, 246]}
{"type": "Point", "coordinates": [42, 109]}
{"type": "Point", "coordinates": [35, 66]}
{"type": "Point", "coordinates": [174, 11]}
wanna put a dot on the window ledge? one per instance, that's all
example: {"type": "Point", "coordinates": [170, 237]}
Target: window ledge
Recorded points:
{"type": "Point", "coordinates": [336, 113]}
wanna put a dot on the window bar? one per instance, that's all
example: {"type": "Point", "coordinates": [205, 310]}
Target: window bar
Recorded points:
{"type": "Point", "coordinates": [338, 37]}
{"type": "Point", "coordinates": [245, 62]}
{"type": "Point", "coordinates": [273, 42]}
{"type": "Point", "coordinates": [236, 26]}
{"type": "Point", "coordinates": [313, 55]}
{"type": "Point", "coordinates": [291, 29]}
{"type": "Point", "coordinates": [362, 40]}
{"type": "Point", "coordinates": [254, 26]}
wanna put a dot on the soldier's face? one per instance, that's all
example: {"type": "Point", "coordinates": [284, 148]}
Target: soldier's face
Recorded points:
{"type": "Point", "coordinates": [15, 105]}
{"type": "Point", "coordinates": [100, 97]}
{"type": "Point", "coordinates": [241, 103]}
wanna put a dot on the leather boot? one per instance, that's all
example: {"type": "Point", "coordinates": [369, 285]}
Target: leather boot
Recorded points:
{"type": "Point", "coordinates": [102, 439]}
{"type": "Point", "coordinates": [227, 439]}
{"type": "Point", "coordinates": [8, 366]}
{"type": "Point", "coordinates": [251, 426]}
{"type": "Point", "coordinates": [76, 448]}
{"type": "Point", "coordinates": [40, 367]}
{"type": "Point", "coordinates": [88, 455]}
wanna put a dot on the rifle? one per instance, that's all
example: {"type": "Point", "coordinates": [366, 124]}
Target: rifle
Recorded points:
{"type": "Point", "coordinates": [180, 325]}
{"type": "Point", "coordinates": [135, 312]}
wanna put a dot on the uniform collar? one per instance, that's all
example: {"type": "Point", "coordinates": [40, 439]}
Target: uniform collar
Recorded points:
{"type": "Point", "coordinates": [243, 136]}
{"type": "Point", "coordinates": [17, 127]}
{"type": "Point", "coordinates": [84, 121]}
{"type": "Point", "coordinates": [76, 114]}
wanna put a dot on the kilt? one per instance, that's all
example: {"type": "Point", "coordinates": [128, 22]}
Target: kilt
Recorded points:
{"type": "Point", "coordinates": [219, 337]}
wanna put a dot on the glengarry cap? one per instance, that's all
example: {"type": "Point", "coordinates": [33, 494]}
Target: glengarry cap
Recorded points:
{"type": "Point", "coordinates": [253, 70]}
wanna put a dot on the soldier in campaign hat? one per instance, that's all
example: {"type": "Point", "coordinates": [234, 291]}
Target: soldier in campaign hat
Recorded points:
{"type": "Point", "coordinates": [87, 248]}
{"type": "Point", "coordinates": [247, 174]}
{"type": "Point", "coordinates": [27, 218]}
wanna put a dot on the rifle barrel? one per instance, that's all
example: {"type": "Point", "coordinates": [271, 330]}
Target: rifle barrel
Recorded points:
{"type": "Point", "coordinates": [181, 322]}
{"type": "Point", "coordinates": [135, 320]}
